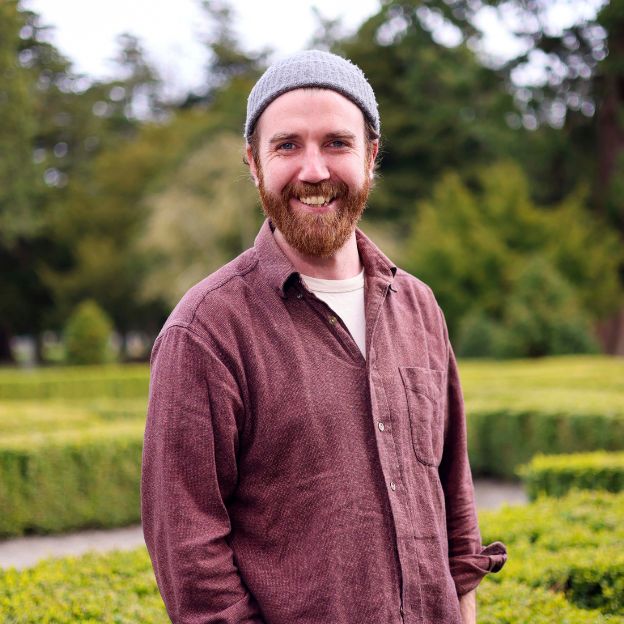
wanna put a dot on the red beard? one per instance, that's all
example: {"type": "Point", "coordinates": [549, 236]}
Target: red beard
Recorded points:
{"type": "Point", "coordinates": [311, 234]}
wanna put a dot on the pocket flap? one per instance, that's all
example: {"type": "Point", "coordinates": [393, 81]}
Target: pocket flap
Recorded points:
{"type": "Point", "coordinates": [427, 381]}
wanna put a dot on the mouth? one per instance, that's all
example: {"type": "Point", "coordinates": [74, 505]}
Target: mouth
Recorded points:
{"type": "Point", "coordinates": [316, 203]}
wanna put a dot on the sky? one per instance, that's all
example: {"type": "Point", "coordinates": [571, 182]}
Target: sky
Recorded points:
{"type": "Point", "coordinates": [171, 30]}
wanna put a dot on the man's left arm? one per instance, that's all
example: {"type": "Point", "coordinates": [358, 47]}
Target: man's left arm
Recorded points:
{"type": "Point", "coordinates": [469, 561]}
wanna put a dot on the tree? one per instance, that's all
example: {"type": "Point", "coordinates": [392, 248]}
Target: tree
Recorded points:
{"type": "Point", "coordinates": [205, 214]}
{"type": "Point", "coordinates": [470, 246]}
{"type": "Point", "coordinates": [440, 109]}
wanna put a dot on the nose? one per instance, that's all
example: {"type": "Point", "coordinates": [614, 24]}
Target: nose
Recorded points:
{"type": "Point", "coordinates": [313, 168]}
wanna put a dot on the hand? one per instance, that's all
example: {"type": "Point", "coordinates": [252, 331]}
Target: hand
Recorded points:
{"type": "Point", "coordinates": [468, 607]}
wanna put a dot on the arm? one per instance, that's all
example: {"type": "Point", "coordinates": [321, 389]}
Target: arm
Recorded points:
{"type": "Point", "coordinates": [469, 561]}
{"type": "Point", "coordinates": [189, 469]}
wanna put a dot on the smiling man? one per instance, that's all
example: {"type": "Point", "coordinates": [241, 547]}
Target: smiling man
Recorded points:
{"type": "Point", "coordinates": [305, 450]}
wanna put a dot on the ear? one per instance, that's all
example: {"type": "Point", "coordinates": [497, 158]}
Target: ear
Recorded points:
{"type": "Point", "coordinates": [252, 164]}
{"type": "Point", "coordinates": [373, 156]}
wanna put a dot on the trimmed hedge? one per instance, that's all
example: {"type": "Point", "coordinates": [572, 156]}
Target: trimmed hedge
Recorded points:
{"type": "Point", "coordinates": [515, 410]}
{"type": "Point", "coordinates": [71, 480]}
{"type": "Point", "coordinates": [77, 382]}
{"type": "Point", "coordinates": [115, 588]}
{"type": "Point", "coordinates": [500, 441]}
{"type": "Point", "coordinates": [53, 416]}
{"type": "Point", "coordinates": [511, 602]}
{"type": "Point", "coordinates": [579, 530]}
{"type": "Point", "coordinates": [555, 475]}
{"type": "Point", "coordinates": [572, 545]}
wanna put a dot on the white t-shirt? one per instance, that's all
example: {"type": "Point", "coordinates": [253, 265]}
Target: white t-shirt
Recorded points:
{"type": "Point", "coordinates": [346, 298]}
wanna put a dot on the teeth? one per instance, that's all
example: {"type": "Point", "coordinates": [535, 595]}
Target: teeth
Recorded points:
{"type": "Point", "coordinates": [315, 200]}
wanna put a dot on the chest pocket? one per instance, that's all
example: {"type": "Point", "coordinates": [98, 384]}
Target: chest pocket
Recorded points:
{"type": "Point", "coordinates": [424, 390]}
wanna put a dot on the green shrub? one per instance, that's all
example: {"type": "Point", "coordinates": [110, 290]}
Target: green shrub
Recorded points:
{"type": "Point", "coordinates": [69, 480]}
{"type": "Point", "coordinates": [87, 334]}
{"type": "Point", "coordinates": [116, 588]}
{"type": "Point", "coordinates": [541, 316]}
{"type": "Point", "coordinates": [571, 545]}
{"type": "Point", "coordinates": [555, 475]}
{"type": "Point", "coordinates": [76, 382]}
{"type": "Point", "coordinates": [559, 570]}
{"type": "Point", "coordinates": [510, 602]}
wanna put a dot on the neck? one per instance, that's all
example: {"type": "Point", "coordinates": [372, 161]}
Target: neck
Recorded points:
{"type": "Point", "coordinates": [343, 264]}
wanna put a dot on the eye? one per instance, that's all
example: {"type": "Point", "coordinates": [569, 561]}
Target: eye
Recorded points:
{"type": "Point", "coordinates": [337, 143]}
{"type": "Point", "coordinates": [286, 146]}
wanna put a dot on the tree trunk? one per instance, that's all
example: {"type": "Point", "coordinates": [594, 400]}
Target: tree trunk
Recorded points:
{"type": "Point", "coordinates": [6, 356]}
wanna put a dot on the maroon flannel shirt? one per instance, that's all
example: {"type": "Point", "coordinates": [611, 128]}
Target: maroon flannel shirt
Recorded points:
{"type": "Point", "coordinates": [289, 480]}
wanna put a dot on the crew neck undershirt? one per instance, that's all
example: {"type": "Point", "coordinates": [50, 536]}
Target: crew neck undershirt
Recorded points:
{"type": "Point", "coordinates": [346, 298]}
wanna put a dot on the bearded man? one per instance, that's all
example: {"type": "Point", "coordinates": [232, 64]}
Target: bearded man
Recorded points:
{"type": "Point", "coordinates": [305, 452]}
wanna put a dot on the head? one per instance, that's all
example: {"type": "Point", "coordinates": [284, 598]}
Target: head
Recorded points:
{"type": "Point", "coordinates": [312, 135]}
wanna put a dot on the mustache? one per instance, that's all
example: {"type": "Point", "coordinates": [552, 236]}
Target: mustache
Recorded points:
{"type": "Point", "coordinates": [325, 188]}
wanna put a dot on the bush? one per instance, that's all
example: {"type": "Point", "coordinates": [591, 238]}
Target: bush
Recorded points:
{"type": "Point", "coordinates": [80, 382]}
{"type": "Point", "coordinates": [71, 480]}
{"type": "Point", "coordinates": [564, 563]}
{"type": "Point", "coordinates": [570, 545]}
{"type": "Point", "coordinates": [540, 316]}
{"type": "Point", "coordinates": [556, 475]}
{"type": "Point", "coordinates": [467, 244]}
{"type": "Point", "coordinates": [87, 335]}
{"type": "Point", "coordinates": [115, 588]}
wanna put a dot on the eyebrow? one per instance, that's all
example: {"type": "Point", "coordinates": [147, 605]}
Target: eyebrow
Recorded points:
{"type": "Point", "coordinates": [289, 136]}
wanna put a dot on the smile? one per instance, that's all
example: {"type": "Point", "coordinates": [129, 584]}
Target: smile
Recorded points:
{"type": "Point", "coordinates": [316, 200]}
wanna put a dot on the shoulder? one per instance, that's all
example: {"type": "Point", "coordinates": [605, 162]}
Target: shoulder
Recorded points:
{"type": "Point", "coordinates": [214, 298]}
{"type": "Point", "coordinates": [416, 294]}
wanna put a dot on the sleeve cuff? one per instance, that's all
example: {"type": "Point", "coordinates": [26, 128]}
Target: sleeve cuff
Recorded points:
{"type": "Point", "coordinates": [468, 570]}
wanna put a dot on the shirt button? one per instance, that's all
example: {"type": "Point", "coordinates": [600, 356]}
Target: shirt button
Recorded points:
{"type": "Point", "coordinates": [381, 426]}
{"type": "Point", "coordinates": [299, 295]}
{"type": "Point", "coordinates": [332, 320]}
{"type": "Point", "coordinates": [392, 486]}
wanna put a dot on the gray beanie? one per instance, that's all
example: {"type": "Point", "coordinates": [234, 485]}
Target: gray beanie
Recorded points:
{"type": "Point", "coordinates": [312, 68]}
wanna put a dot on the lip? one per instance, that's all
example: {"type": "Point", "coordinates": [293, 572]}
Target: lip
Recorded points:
{"type": "Point", "coordinates": [312, 208]}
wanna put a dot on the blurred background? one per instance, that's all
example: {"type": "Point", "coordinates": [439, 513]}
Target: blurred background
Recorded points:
{"type": "Point", "coordinates": [501, 178]}
{"type": "Point", "coordinates": [501, 185]}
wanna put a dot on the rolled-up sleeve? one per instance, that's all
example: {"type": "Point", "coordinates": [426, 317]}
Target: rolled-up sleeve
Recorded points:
{"type": "Point", "coordinates": [189, 471]}
{"type": "Point", "coordinates": [469, 561]}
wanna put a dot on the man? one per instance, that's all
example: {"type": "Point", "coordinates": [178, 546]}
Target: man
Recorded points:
{"type": "Point", "coordinates": [305, 451]}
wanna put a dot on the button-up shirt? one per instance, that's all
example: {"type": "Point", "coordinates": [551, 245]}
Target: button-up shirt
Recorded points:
{"type": "Point", "coordinates": [289, 480]}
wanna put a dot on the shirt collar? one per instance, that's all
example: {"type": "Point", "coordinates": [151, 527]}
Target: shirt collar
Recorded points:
{"type": "Point", "coordinates": [281, 273]}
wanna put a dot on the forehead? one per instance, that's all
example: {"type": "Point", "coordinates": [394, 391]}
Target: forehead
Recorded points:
{"type": "Point", "coordinates": [309, 111]}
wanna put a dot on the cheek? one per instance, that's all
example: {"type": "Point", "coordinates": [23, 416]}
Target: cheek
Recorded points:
{"type": "Point", "coordinates": [276, 176]}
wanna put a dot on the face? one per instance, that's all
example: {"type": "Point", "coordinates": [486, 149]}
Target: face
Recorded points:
{"type": "Point", "coordinates": [313, 168]}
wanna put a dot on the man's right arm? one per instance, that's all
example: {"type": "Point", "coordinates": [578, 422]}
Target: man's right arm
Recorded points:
{"type": "Point", "coordinates": [189, 469]}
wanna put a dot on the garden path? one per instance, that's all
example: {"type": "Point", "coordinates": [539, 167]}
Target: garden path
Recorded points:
{"type": "Point", "coordinates": [23, 552]}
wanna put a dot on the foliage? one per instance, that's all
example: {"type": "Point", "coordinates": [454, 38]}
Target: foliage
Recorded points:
{"type": "Point", "coordinates": [79, 479]}
{"type": "Point", "coordinates": [75, 382]}
{"type": "Point", "coordinates": [18, 216]}
{"type": "Point", "coordinates": [554, 572]}
{"type": "Point", "coordinates": [569, 545]}
{"type": "Point", "coordinates": [477, 248]}
{"type": "Point", "coordinates": [440, 109]}
{"type": "Point", "coordinates": [556, 475]}
{"type": "Point", "coordinates": [115, 588]}
{"type": "Point", "coordinates": [87, 334]}
{"type": "Point", "coordinates": [206, 213]}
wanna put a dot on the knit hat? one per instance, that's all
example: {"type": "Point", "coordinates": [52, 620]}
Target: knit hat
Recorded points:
{"type": "Point", "coordinates": [312, 68]}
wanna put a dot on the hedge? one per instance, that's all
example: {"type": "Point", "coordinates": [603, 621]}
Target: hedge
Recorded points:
{"type": "Point", "coordinates": [572, 545]}
{"type": "Point", "coordinates": [119, 587]}
{"type": "Point", "coordinates": [500, 441]}
{"type": "Point", "coordinates": [70, 480]}
{"type": "Point", "coordinates": [76, 382]}
{"type": "Point", "coordinates": [555, 475]}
